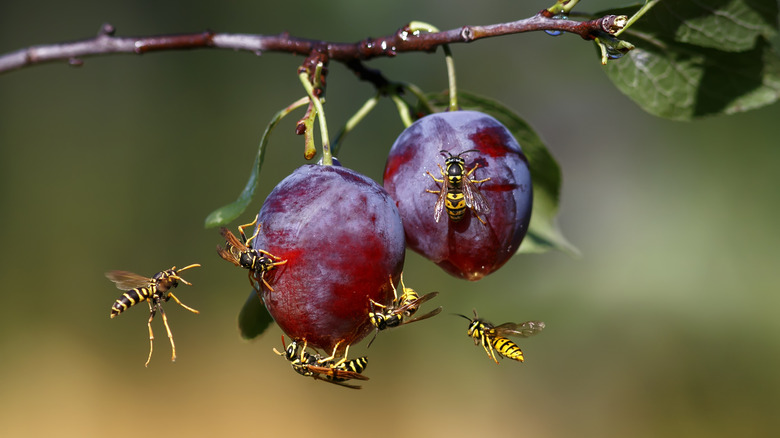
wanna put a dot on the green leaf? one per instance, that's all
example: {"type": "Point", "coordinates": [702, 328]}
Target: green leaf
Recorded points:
{"type": "Point", "coordinates": [543, 232]}
{"type": "Point", "coordinates": [230, 212]}
{"type": "Point", "coordinates": [727, 25]}
{"type": "Point", "coordinates": [253, 319]}
{"type": "Point", "coordinates": [695, 58]}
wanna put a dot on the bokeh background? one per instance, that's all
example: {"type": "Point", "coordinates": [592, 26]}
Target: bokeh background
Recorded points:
{"type": "Point", "coordinates": [665, 326]}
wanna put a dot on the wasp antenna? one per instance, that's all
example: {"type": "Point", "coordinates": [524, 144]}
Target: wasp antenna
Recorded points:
{"type": "Point", "coordinates": [372, 339]}
{"type": "Point", "coordinates": [462, 316]}
{"type": "Point", "coordinates": [194, 265]}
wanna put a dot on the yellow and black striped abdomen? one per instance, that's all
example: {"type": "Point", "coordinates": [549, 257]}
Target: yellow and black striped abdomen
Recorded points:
{"type": "Point", "coordinates": [355, 365]}
{"type": "Point", "coordinates": [455, 204]}
{"type": "Point", "coordinates": [507, 348]}
{"type": "Point", "coordinates": [131, 298]}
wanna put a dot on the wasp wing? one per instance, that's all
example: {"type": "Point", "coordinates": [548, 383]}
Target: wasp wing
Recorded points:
{"type": "Point", "coordinates": [524, 329]}
{"type": "Point", "coordinates": [316, 376]}
{"type": "Point", "coordinates": [412, 305]}
{"type": "Point", "coordinates": [335, 373]}
{"type": "Point", "coordinates": [438, 208]}
{"type": "Point", "coordinates": [232, 240]}
{"type": "Point", "coordinates": [433, 312]}
{"type": "Point", "coordinates": [228, 255]}
{"type": "Point", "coordinates": [125, 280]}
{"type": "Point", "coordinates": [424, 298]}
{"type": "Point", "coordinates": [475, 200]}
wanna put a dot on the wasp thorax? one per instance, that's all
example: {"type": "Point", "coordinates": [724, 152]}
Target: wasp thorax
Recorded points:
{"type": "Point", "coordinates": [247, 260]}
{"type": "Point", "coordinates": [462, 186]}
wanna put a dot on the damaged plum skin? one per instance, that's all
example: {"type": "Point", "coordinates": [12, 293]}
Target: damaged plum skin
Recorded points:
{"type": "Point", "coordinates": [466, 249]}
{"type": "Point", "coordinates": [343, 240]}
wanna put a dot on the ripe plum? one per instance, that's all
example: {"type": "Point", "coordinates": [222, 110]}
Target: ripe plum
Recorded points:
{"type": "Point", "coordinates": [342, 237]}
{"type": "Point", "coordinates": [466, 248]}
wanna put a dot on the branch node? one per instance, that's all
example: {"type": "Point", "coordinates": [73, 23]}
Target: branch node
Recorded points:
{"type": "Point", "coordinates": [467, 34]}
{"type": "Point", "coordinates": [613, 23]}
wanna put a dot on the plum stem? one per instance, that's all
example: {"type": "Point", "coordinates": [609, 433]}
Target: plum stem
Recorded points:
{"type": "Point", "coordinates": [327, 157]}
{"type": "Point", "coordinates": [416, 27]}
{"type": "Point", "coordinates": [451, 78]}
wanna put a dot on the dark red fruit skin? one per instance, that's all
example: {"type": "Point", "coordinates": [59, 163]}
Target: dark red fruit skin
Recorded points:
{"type": "Point", "coordinates": [466, 249]}
{"type": "Point", "coordinates": [342, 237]}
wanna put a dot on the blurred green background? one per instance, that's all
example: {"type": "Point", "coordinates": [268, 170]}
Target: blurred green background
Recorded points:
{"type": "Point", "coordinates": [666, 326]}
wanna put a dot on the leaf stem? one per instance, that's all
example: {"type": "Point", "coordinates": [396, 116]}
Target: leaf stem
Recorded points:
{"type": "Point", "coordinates": [403, 109]}
{"type": "Point", "coordinates": [562, 7]}
{"type": "Point", "coordinates": [230, 212]}
{"type": "Point", "coordinates": [353, 121]}
{"type": "Point", "coordinates": [421, 97]}
{"type": "Point", "coordinates": [646, 7]}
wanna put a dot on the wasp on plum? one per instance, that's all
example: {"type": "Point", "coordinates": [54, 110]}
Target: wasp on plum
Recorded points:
{"type": "Point", "coordinates": [402, 308]}
{"type": "Point", "coordinates": [494, 338]}
{"type": "Point", "coordinates": [241, 253]}
{"type": "Point", "coordinates": [327, 369]}
{"type": "Point", "coordinates": [458, 191]}
{"type": "Point", "coordinates": [155, 291]}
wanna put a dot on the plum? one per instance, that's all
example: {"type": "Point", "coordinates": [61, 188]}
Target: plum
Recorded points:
{"type": "Point", "coordinates": [463, 246]}
{"type": "Point", "coordinates": [342, 237]}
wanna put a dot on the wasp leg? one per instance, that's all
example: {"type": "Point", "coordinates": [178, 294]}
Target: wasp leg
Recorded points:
{"type": "Point", "coordinates": [374, 303]}
{"type": "Point", "coordinates": [303, 350]}
{"type": "Point", "coordinates": [241, 229]}
{"type": "Point", "coordinates": [271, 255]}
{"type": "Point", "coordinates": [440, 181]}
{"type": "Point", "coordinates": [152, 311]}
{"type": "Point", "coordinates": [475, 181]}
{"type": "Point", "coordinates": [395, 293]}
{"type": "Point", "coordinates": [333, 355]}
{"type": "Point", "coordinates": [170, 335]}
{"type": "Point", "coordinates": [488, 347]}
{"type": "Point", "coordinates": [170, 294]}
{"type": "Point", "coordinates": [492, 350]}
{"type": "Point", "coordinates": [266, 284]}
{"type": "Point", "coordinates": [343, 359]}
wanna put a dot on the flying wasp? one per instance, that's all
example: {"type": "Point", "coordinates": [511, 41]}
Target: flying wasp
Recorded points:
{"type": "Point", "coordinates": [241, 253]}
{"type": "Point", "coordinates": [155, 290]}
{"type": "Point", "coordinates": [494, 338]}
{"type": "Point", "coordinates": [403, 307]}
{"type": "Point", "coordinates": [458, 191]}
{"type": "Point", "coordinates": [313, 365]}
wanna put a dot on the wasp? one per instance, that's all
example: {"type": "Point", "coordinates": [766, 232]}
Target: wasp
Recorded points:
{"type": "Point", "coordinates": [241, 253]}
{"type": "Point", "coordinates": [155, 290]}
{"type": "Point", "coordinates": [403, 307]}
{"type": "Point", "coordinates": [494, 338]}
{"type": "Point", "coordinates": [313, 365]}
{"type": "Point", "coordinates": [458, 191]}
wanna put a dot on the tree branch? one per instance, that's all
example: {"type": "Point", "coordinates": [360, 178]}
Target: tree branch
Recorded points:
{"type": "Point", "coordinates": [403, 40]}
